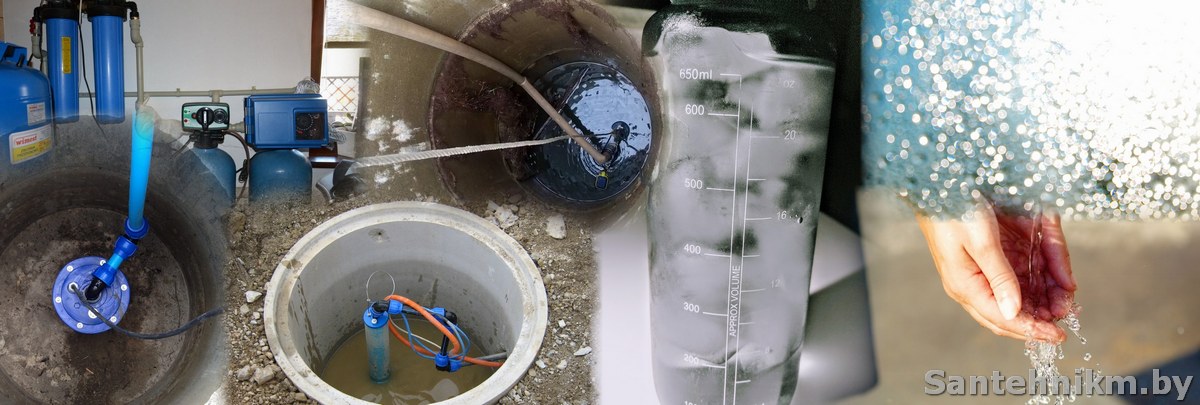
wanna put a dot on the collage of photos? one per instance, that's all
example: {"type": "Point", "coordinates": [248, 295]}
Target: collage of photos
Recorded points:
{"type": "Point", "coordinates": [608, 202]}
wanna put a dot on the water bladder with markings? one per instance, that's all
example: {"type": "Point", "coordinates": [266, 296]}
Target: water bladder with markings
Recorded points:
{"type": "Point", "coordinates": [732, 213]}
{"type": "Point", "coordinates": [437, 256]}
{"type": "Point", "coordinates": [73, 206]}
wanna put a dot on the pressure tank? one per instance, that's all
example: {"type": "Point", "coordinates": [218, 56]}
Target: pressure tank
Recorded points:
{"type": "Point", "coordinates": [280, 174]}
{"type": "Point", "coordinates": [222, 167]}
{"type": "Point", "coordinates": [24, 110]}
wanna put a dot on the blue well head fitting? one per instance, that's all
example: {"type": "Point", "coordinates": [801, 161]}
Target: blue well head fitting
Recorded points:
{"type": "Point", "coordinates": [112, 303]}
{"type": "Point", "coordinates": [373, 318]}
{"type": "Point", "coordinates": [446, 363]}
{"type": "Point", "coordinates": [395, 307]}
{"type": "Point", "coordinates": [125, 249]}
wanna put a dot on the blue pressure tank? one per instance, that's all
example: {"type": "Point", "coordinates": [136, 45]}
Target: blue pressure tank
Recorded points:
{"type": "Point", "coordinates": [108, 51]}
{"type": "Point", "coordinates": [25, 131]}
{"type": "Point", "coordinates": [62, 49]}
{"type": "Point", "coordinates": [222, 167]}
{"type": "Point", "coordinates": [280, 174]}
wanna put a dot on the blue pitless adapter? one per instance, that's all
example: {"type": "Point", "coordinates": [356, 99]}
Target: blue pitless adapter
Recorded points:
{"type": "Point", "coordinates": [125, 248]}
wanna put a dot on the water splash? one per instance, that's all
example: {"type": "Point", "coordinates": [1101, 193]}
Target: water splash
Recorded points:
{"type": "Point", "coordinates": [1020, 101]}
{"type": "Point", "coordinates": [1043, 358]}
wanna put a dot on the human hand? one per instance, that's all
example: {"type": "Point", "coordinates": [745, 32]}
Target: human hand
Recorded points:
{"type": "Point", "coordinates": [993, 265]}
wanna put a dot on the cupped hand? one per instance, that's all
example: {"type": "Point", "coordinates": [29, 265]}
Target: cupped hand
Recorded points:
{"type": "Point", "coordinates": [1003, 276]}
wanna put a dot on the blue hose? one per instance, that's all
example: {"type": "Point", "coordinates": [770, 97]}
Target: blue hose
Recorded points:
{"type": "Point", "coordinates": [139, 171]}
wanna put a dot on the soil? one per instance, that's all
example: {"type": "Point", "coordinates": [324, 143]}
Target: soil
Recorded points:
{"type": "Point", "coordinates": [49, 361]}
{"type": "Point", "coordinates": [262, 235]}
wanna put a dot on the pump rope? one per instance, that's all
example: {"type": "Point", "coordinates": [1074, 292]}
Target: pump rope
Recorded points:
{"type": "Point", "coordinates": [372, 18]}
{"type": "Point", "coordinates": [147, 336]}
{"type": "Point", "coordinates": [397, 158]}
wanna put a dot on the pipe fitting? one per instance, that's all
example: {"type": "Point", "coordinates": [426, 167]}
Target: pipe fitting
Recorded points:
{"type": "Point", "coordinates": [375, 319]}
{"type": "Point", "coordinates": [136, 233]}
{"type": "Point", "coordinates": [135, 30]}
{"type": "Point", "coordinates": [125, 249]}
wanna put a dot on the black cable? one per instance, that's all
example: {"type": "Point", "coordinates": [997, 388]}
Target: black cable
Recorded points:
{"type": "Point", "coordinates": [148, 336]}
{"type": "Point", "coordinates": [244, 172]}
{"type": "Point", "coordinates": [83, 71]}
{"type": "Point", "coordinates": [182, 148]}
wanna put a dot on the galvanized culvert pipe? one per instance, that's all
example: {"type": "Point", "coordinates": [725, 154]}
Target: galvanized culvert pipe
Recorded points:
{"type": "Point", "coordinates": [437, 255]}
{"type": "Point", "coordinates": [70, 203]}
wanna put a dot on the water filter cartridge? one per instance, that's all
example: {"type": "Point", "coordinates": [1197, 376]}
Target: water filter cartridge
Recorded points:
{"type": "Point", "coordinates": [62, 45]}
{"type": "Point", "coordinates": [108, 45]}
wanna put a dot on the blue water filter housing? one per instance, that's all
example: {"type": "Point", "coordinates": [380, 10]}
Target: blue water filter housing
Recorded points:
{"type": "Point", "coordinates": [62, 57]}
{"type": "Point", "coordinates": [108, 50]}
{"type": "Point", "coordinates": [26, 135]}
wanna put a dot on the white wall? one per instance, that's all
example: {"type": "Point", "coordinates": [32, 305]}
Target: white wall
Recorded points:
{"type": "Point", "coordinates": [341, 61]}
{"type": "Point", "coordinates": [202, 45]}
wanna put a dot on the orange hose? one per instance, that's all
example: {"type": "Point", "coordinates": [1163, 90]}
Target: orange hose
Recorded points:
{"type": "Point", "coordinates": [441, 328]}
{"type": "Point", "coordinates": [419, 349]}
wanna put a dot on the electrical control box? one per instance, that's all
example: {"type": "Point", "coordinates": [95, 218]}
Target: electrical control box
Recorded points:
{"type": "Point", "coordinates": [195, 115]}
{"type": "Point", "coordinates": [287, 121]}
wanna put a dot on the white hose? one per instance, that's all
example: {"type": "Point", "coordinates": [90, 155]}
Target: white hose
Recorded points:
{"type": "Point", "coordinates": [447, 152]}
{"type": "Point", "coordinates": [400, 27]}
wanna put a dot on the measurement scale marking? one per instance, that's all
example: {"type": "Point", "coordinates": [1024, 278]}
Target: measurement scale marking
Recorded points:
{"type": "Point", "coordinates": [730, 300]}
{"type": "Point", "coordinates": [745, 210]}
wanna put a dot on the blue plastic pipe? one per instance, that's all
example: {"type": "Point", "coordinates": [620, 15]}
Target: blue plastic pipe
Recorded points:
{"type": "Point", "coordinates": [108, 44]}
{"type": "Point", "coordinates": [139, 170]}
{"type": "Point", "coordinates": [139, 178]}
{"type": "Point", "coordinates": [62, 46]}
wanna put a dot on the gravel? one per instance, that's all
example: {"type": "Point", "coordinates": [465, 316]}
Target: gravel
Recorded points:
{"type": "Point", "coordinates": [260, 238]}
{"type": "Point", "coordinates": [252, 296]}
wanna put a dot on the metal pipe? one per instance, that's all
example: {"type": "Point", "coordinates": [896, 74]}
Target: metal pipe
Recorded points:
{"type": "Point", "coordinates": [135, 34]}
{"type": "Point", "coordinates": [397, 26]}
{"type": "Point", "coordinates": [215, 94]}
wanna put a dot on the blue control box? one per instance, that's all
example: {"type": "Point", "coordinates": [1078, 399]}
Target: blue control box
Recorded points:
{"type": "Point", "coordinates": [287, 121]}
